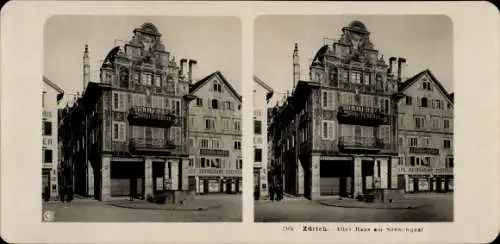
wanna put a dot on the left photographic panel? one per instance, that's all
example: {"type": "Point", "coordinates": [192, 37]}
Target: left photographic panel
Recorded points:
{"type": "Point", "coordinates": [141, 119]}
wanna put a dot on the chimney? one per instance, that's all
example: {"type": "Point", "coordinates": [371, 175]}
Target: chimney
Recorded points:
{"type": "Point", "coordinates": [400, 67]}
{"type": "Point", "coordinates": [86, 67]}
{"type": "Point", "coordinates": [392, 65]}
{"type": "Point", "coordinates": [192, 63]}
{"type": "Point", "coordinates": [296, 65]}
{"type": "Point", "coordinates": [183, 68]}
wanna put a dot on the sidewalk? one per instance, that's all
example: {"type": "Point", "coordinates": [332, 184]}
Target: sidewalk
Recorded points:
{"type": "Point", "coordinates": [353, 203]}
{"type": "Point", "coordinates": [191, 205]}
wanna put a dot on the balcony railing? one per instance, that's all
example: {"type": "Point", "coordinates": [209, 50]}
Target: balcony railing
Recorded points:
{"type": "Point", "coordinates": [424, 150]}
{"type": "Point", "coordinates": [153, 146]}
{"type": "Point", "coordinates": [214, 172]}
{"type": "Point", "coordinates": [360, 143]}
{"type": "Point", "coordinates": [214, 152]}
{"type": "Point", "coordinates": [419, 170]}
{"type": "Point", "coordinates": [151, 116]}
{"type": "Point", "coordinates": [361, 115]}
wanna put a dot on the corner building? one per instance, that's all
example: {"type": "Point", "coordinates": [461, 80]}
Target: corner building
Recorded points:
{"type": "Point", "coordinates": [337, 131]}
{"type": "Point", "coordinates": [215, 162]}
{"type": "Point", "coordinates": [129, 131]}
{"type": "Point", "coordinates": [51, 96]}
{"type": "Point", "coordinates": [425, 134]}
{"type": "Point", "coordinates": [261, 95]}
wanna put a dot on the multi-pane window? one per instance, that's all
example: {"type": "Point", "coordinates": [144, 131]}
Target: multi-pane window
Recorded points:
{"type": "Point", "coordinates": [257, 125]}
{"type": "Point", "coordinates": [258, 155]}
{"type": "Point", "coordinates": [328, 129]}
{"type": "Point", "coordinates": [327, 100]}
{"type": "Point", "coordinates": [210, 124]}
{"type": "Point", "coordinates": [366, 78]}
{"type": "Point", "coordinates": [355, 77]}
{"type": "Point", "coordinates": [118, 131]}
{"type": "Point", "coordinates": [239, 163]}
{"type": "Point", "coordinates": [191, 142]}
{"type": "Point", "coordinates": [215, 144]}
{"type": "Point", "coordinates": [157, 80]}
{"type": "Point", "coordinates": [147, 79]}
{"type": "Point", "coordinates": [237, 145]}
{"type": "Point", "coordinates": [237, 125]}
{"type": "Point", "coordinates": [204, 143]}
{"type": "Point", "coordinates": [226, 124]}
{"type": "Point", "coordinates": [449, 163]}
{"type": "Point", "coordinates": [419, 122]}
{"type": "Point", "coordinates": [47, 128]}
{"type": "Point", "coordinates": [229, 105]}
{"type": "Point", "coordinates": [446, 124]}
{"type": "Point", "coordinates": [217, 87]}
{"type": "Point", "coordinates": [413, 141]}
{"type": "Point", "coordinates": [199, 102]}
{"type": "Point", "coordinates": [118, 101]}
{"type": "Point", "coordinates": [446, 143]}
{"type": "Point", "coordinates": [191, 162]}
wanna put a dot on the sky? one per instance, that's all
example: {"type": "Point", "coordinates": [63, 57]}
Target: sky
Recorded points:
{"type": "Point", "coordinates": [215, 42]}
{"type": "Point", "coordinates": [425, 41]}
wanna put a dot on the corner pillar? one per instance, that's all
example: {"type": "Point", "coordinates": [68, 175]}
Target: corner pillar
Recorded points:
{"type": "Point", "coordinates": [384, 173]}
{"type": "Point", "coordinates": [394, 173]}
{"type": "Point", "coordinates": [358, 178]}
{"type": "Point", "coordinates": [185, 182]}
{"type": "Point", "coordinates": [106, 184]}
{"type": "Point", "coordinates": [90, 181]}
{"type": "Point", "coordinates": [148, 175]}
{"type": "Point", "coordinates": [315, 183]}
{"type": "Point", "coordinates": [300, 178]}
{"type": "Point", "coordinates": [175, 174]}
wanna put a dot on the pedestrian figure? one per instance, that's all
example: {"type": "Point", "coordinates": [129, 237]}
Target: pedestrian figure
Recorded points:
{"type": "Point", "coordinates": [271, 192]}
{"type": "Point", "coordinates": [46, 194]}
{"type": "Point", "coordinates": [69, 194]}
{"type": "Point", "coordinates": [62, 195]}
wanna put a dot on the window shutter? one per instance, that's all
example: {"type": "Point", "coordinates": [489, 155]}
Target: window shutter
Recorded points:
{"type": "Point", "coordinates": [332, 130]}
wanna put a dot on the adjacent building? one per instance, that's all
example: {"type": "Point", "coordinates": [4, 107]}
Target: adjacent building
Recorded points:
{"type": "Point", "coordinates": [215, 159]}
{"type": "Point", "coordinates": [51, 95]}
{"type": "Point", "coordinates": [336, 133]}
{"type": "Point", "coordinates": [425, 134]}
{"type": "Point", "coordinates": [261, 95]}
{"type": "Point", "coordinates": [126, 135]}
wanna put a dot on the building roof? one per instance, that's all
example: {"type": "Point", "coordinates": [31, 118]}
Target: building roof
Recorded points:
{"type": "Point", "coordinates": [403, 86]}
{"type": "Point", "coordinates": [194, 87]}
{"type": "Point", "coordinates": [55, 87]}
{"type": "Point", "coordinates": [270, 90]}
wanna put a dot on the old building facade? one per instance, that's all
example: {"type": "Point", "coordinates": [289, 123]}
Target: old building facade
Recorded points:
{"type": "Point", "coordinates": [215, 161]}
{"type": "Point", "coordinates": [51, 95]}
{"type": "Point", "coordinates": [336, 133]}
{"type": "Point", "coordinates": [127, 134]}
{"type": "Point", "coordinates": [261, 95]}
{"type": "Point", "coordinates": [425, 134]}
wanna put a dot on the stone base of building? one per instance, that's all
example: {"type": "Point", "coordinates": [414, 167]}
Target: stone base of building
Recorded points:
{"type": "Point", "coordinates": [50, 183]}
{"type": "Point", "coordinates": [346, 176]}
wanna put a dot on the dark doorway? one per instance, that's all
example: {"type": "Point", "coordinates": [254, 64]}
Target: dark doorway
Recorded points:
{"type": "Point", "coordinates": [367, 170]}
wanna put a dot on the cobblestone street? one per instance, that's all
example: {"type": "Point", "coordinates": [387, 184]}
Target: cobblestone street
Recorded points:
{"type": "Point", "coordinates": [432, 208]}
{"type": "Point", "coordinates": [229, 210]}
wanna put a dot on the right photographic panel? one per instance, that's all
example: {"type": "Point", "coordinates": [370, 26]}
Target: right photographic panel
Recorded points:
{"type": "Point", "coordinates": [353, 118]}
